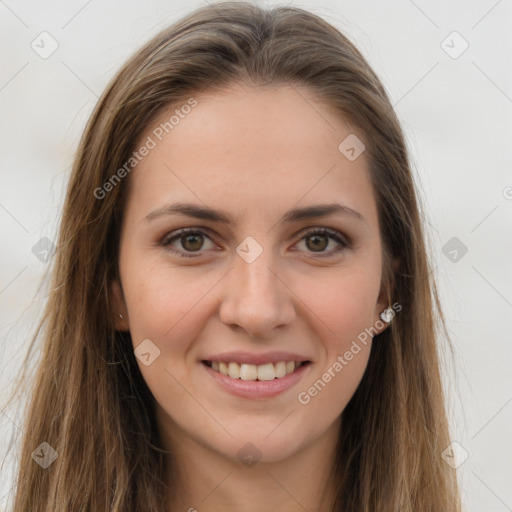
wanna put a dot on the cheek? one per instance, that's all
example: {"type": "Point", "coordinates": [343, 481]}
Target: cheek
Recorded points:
{"type": "Point", "coordinates": [346, 306]}
{"type": "Point", "coordinates": [344, 302]}
{"type": "Point", "coordinates": [330, 392]}
{"type": "Point", "coordinates": [164, 304]}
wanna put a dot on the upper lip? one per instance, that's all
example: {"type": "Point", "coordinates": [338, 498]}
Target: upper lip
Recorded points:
{"type": "Point", "coordinates": [256, 359]}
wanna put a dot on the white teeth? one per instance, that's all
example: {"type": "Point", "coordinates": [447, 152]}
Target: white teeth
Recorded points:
{"type": "Point", "coordinates": [266, 372]}
{"type": "Point", "coordinates": [280, 368]}
{"type": "Point", "coordinates": [244, 371]}
{"type": "Point", "coordinates": [248, 371]}
{"type": "Point", "coordinates": [234, 370]}
{"type": "Point", "coordinates": [223, 368]}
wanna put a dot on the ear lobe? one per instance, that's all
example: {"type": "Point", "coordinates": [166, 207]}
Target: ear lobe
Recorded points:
{"type": "Point", "coordinates": [119, 307]}
{"type": "Point", "coordinates": [384, 300]}
{"type": "Point", "coordinates": [382, 304]}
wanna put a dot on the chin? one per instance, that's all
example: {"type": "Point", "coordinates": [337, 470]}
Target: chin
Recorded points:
{"type": "Point", "coordinates": [264, 447]}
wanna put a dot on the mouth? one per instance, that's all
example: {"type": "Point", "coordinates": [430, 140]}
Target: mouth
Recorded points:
{"type": "Point", "coordinates": [254, 372]}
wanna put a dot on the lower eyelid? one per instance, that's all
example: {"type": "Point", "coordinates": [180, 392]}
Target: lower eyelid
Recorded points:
{"type": "Point", "coordinates": [171, 238]}
{"type": "Point", "coordinates": [339, 238]}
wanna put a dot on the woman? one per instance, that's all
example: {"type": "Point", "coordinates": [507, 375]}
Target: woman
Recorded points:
{"type": "Point", "coordinates": [242, 313]}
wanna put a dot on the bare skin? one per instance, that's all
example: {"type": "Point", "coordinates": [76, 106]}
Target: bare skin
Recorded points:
{"type": "Point", "coordinates": [255, 154]}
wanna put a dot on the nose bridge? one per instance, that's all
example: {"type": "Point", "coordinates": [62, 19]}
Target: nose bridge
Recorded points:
{"type": "Point", "coordinates": [256, 276]}
{"type": "Point", "coordinates": [255, 298]}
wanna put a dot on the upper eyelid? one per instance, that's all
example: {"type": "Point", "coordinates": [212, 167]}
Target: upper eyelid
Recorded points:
{"type": "Point", "coordinates": [330, 232]}
{"type": "Point", "coordinates": [177, 233]}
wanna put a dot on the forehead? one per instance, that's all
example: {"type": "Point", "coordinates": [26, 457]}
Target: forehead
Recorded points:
{"type": "Point", "coordinates": [249, 147]}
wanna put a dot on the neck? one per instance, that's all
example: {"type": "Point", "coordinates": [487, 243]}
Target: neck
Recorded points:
{"type": "Point", "coordinates": [202, 479]}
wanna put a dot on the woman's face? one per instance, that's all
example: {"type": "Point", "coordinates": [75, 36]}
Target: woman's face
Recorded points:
{"type": "Point", "coordinates": [271, 285]}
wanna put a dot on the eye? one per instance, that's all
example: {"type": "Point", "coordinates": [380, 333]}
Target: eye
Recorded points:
{"type": "Point", "coordinates": [317, 240]}
{"type": "Point", "coordinates": [190, 239]}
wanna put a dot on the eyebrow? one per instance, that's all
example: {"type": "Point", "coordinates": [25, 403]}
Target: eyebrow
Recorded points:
{"type": "Point", "coordinates": [294, 215]}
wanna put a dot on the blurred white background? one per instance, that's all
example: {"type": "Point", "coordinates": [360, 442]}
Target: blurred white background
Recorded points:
{"type": "Point", "coordinates": [455, 104]}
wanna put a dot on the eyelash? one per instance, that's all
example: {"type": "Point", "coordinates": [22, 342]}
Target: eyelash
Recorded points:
{"type": "Point", "coordinates": [330, 233]}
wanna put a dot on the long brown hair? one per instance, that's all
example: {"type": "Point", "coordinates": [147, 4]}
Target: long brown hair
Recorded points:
{"type": "Point", "coordinates": [89, 401]}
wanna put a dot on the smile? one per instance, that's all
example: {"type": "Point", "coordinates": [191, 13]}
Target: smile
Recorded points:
{"type": "Point", "coordinates": [268, 371]}
{"type": "Point", "coordinates": [261, 381]}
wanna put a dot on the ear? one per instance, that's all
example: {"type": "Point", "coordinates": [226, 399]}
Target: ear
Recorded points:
{"type": "Point", "coordinates": [119, 307]}
{"type": "Point", "coordinates": [385, 298]}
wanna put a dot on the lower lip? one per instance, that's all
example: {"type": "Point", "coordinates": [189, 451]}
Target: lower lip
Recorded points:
{"type": "Point", "coordinates": [257, 388]}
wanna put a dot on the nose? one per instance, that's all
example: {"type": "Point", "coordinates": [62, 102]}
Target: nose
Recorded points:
{"type": "Point", "coordinates": [256, 298]}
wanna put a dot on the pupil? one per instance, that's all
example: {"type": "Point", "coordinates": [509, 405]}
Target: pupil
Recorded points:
{"type": "Point", "coordinates": [316, 239]}
{"type": "Point", "coordinates": [191, 238]}
{"type": "Point", "coordinates": [316, 242]}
